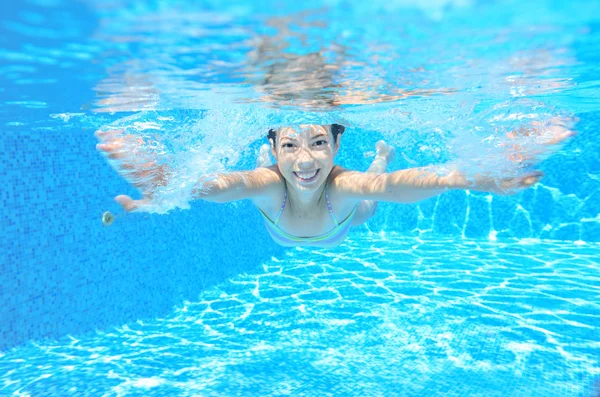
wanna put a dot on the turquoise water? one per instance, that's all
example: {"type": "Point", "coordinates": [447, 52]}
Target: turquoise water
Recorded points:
{"type": "Point", "coordinates": [378, 316]}
{"type": "Point", "coordinates": [465, 294]}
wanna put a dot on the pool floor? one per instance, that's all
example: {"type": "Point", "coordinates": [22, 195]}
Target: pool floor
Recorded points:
{"type": "Point", "coordinates": [380, 315]}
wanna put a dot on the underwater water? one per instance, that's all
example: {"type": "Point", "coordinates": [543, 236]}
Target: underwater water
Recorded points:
{"type": "Point", "coordinates": [465, 294]}
{"type": "Point", "coordinates": [378, 316]}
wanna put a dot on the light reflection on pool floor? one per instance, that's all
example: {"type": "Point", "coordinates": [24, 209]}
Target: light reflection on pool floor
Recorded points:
{"type": "Point", "coordinates": [374, 317]}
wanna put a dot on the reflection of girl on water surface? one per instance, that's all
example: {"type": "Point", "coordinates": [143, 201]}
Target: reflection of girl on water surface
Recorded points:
{"type": "Point", "coordinates": [304, 197]}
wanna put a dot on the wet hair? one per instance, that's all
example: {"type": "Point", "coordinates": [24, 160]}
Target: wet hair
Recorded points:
{"type": "Point", "coordinates": [336, 129]}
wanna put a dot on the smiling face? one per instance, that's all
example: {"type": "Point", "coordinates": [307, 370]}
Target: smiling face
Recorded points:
{"type": "Point", "coordinates": [305, 157]}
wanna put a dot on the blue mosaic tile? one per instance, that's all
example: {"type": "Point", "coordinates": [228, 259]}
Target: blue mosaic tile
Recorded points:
{"type": "Point", "coordinates": [478, 223]}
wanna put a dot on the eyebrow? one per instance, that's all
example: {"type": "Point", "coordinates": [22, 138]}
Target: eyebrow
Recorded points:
{"type": "Point", "coordinates": [283, 138]}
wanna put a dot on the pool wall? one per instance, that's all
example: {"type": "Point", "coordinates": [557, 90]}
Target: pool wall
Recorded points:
{"type": "Point", "coordinates": [63, 272]}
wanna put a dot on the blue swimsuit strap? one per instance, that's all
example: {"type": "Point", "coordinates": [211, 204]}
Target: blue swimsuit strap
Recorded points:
{"type": "Point", "coordinates": [282, 207]}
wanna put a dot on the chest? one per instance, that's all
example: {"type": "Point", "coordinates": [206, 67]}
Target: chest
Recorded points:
{"type": "Point", "coordinates": [312, 224]}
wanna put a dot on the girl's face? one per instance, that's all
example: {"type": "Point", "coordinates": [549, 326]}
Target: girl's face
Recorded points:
{"type": "Point", "coordinates": [305, 158]}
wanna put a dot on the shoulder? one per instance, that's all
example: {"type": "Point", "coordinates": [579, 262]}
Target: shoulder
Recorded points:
{"type": "Point", "coordinates": [271, 184]}
{"type": "Point", "coordinates": [354, 185]}
{"type": "Point", "coordinates": [340, 194]}
{"type": "Point", "coordinates": [342, 180]}
{"type": "Point", "coordinates": [266, 180]}
{"type": "Point", "coordinates": [265, 177]}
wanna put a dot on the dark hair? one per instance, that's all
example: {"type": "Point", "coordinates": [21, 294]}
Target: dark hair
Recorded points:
{"type": "Point", "coordinates": [336, 129]}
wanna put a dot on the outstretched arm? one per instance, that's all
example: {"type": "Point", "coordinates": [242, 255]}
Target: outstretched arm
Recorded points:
{"type": "Point", "coordinates": [143, 172]}
{"type": "Point", "coordinates": [416, 184]}
{"type": "Point", "coordinates": [219, 188]}
{"type": "Point", "coordinates": [233, 186]}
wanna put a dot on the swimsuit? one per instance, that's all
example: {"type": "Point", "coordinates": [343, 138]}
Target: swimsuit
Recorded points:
{"type": "Point", "coordinates": [329, 239]}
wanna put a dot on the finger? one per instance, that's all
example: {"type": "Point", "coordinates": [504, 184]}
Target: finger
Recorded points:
{"type": "Point", "coordinates": [114, 136]}
{"type": "Point", "coordinates": [147, 166]}
{"type": "Point", "coordinates": [137, 177]}
{"type": "Point", "coordinates": [129, 204]}
{"type": "Point", "coordinates": [104, 135]}
{"type": "Point", "coordinates": [109, 147]}
{"type": "Point", "coordinates": [520, 132]}
{"type": "Point", "coordinates": [558, 134]}
{"type": "Point", "coordinates": [550, 132]}
{"type": "Point", "coordinates": [124, 146]}
{"type": "Point", "coordinates": [138, 171]}
{"type": "Point", "coordinates": [114, 150]}
{"type": "Point", "coordinates": [564, 121]}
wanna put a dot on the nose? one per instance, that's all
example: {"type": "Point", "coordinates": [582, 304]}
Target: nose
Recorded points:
{"type": "Point", "coordinates": [305, 159]}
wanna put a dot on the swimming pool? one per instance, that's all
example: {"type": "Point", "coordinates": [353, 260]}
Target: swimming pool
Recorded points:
{"type": "Point", "coordinates": [377, 316]}
{"type": "Point", "coordinates": [467, 294]}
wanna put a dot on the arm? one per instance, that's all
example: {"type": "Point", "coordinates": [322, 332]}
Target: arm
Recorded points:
{"type": "Point", "coordinates": [416, 184]}
{"type": "Point", "coordinates": [258, 184]}
{"type": "Point", "coordinates": [404, 186]}
{"type": "Point", "coordinates": [143, 172]}
{"type": "Point", "coordinates": [224, 188]}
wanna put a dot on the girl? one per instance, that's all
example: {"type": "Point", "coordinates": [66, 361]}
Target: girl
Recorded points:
{"type": "Point", "coordinates": [307, 200]}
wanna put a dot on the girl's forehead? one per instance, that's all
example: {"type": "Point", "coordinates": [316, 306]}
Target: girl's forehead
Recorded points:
{"type": "Point", "coordinates": [306, 130]}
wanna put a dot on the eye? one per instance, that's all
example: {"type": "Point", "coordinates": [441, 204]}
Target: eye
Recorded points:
{"type": "Point", "coordinates": [287, 145]}
{"type": "Point", "coordinates": [320, 142]}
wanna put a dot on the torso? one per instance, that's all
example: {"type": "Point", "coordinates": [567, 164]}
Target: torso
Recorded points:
{"type": "Point", "coordinates": [314, 223]}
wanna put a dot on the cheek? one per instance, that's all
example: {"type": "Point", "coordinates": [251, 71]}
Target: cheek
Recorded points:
{"type": "Point", "coordinates": [325, 157]}
{"type": "Point", "coordinates": [284, 160]}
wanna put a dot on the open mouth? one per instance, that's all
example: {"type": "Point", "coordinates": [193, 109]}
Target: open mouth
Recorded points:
{"type": "Point", "coordinates": [307, 176]}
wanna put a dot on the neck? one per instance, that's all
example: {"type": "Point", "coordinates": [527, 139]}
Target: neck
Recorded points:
{"type": "Point", "coordinates": [305, 202]}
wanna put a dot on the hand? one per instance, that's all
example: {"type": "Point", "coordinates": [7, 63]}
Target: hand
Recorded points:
{"type": "Point", "coordinates": [545, 136]}
{"type": "Point", "coordinates": [138, 166]}
{"type": "Point", "coordinates": [502, 186]}
{"type": "Point", "coordinates": [542, 138]}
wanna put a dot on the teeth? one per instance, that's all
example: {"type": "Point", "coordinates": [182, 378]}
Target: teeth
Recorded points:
{"type": "Point", "coordinates": [306, 175]}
